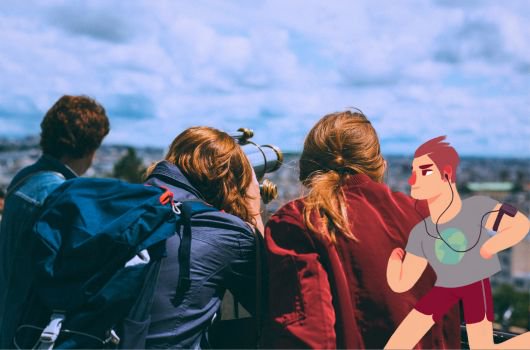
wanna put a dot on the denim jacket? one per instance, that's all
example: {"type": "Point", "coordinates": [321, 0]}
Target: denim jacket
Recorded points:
{"type": "Point", "coordinates": [25, 196]}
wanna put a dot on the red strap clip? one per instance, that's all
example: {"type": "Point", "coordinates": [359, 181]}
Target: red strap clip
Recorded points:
{"type": "Point", "coordinates": [166, 197]}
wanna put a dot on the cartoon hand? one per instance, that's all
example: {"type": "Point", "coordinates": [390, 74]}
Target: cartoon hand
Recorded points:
{"type": "Point", "coordinates": [485, 253]}
{"type": "Point", "coordinates": [397, 254]}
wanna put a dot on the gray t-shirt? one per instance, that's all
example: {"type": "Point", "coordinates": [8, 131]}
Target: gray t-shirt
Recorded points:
{"type": "Point", "coordinates": [456, 269]}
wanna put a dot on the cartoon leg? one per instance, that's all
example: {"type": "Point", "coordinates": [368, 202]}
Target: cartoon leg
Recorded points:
{"type": "Point", "coordinates": [478, 313]}
{"type": "Point", "coordinates": [519, 342]}
{"type": "Point", "coordinates": [428, 310]}
{"type": "Point", "coordinates": [480, 336]}
{"type": "Point", "coordinates": [410, 331]}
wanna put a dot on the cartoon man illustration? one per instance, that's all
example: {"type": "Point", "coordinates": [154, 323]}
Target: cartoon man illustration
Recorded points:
{"type": "Point", "coordinates": [455, 242]}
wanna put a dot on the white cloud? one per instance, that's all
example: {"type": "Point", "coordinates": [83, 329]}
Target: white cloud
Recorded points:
{"type": "Point", "coordinates": [419, 69]}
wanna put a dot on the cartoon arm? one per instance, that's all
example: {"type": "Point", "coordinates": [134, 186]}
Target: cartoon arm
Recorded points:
{"type": "Point", "coordinates": [512, 228]}
{"type": "Point", "coordinates": [401, 274]}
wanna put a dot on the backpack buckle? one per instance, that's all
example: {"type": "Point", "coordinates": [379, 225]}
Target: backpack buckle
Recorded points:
{"type": "Point", "coordinates": [52, 330]}
{"type": "Point", "coordinates": [112, 337]}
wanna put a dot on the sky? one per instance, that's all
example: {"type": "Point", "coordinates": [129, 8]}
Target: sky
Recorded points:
{"type": "Point", "coordinates": [417, 69]}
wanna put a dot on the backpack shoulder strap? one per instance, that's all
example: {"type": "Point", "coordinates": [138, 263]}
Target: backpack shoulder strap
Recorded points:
{"type": "Point", "coordinates": [259, 285]}
{"type": "Point", "coordinates": [142, 305]}
{"type": "Point", "coordinates": [188, 209]}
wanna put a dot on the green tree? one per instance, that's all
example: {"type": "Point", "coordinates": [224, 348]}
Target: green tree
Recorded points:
{"type": "Point", "coordinates": [129, 167]}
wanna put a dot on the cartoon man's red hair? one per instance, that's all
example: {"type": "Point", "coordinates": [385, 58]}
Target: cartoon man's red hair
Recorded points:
{"type": "Point", "coordinates": [442, 154]}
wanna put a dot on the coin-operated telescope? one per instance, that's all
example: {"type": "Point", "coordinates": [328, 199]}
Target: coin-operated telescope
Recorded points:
{"type": "Point", "coordinates": [264, 159]}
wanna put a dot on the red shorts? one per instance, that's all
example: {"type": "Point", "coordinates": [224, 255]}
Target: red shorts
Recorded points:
{"type": "Point", "coordinates": [476, 298]}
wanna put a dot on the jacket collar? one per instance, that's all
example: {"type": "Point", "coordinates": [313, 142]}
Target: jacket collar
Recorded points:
{"type": "Point", "coordinates": [47, 162]}
{"type": "Point", "coordinates": [358, 179]}
{"type": "Point", "coordinates": [170, 173]}
{"type": "Point", "coordinates": [44, 163]}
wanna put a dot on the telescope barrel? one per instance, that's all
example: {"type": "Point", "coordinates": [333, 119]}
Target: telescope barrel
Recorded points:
{"type": "Point", "coordinates": [264, 159]}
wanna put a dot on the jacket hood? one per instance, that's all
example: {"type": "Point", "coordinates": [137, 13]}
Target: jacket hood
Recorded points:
{"type": "Point", "coordinates": [169, 175]}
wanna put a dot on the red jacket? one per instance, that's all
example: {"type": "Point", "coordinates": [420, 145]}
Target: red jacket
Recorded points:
{"type": "Point", "coordinates": [323, 295]}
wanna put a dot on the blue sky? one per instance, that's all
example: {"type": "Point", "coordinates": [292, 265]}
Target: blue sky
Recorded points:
{"type": "Point", "coordinates": [418, 69]}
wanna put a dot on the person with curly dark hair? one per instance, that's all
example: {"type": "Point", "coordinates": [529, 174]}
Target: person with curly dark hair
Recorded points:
{"type": "Point", "coordinates": [71, 132]}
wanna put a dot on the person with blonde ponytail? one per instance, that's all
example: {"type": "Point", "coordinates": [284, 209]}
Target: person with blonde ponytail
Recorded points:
{"type": "Point", "coordinates": [327, 251]}
{"type": "Point", "coordinates": [207, 165]}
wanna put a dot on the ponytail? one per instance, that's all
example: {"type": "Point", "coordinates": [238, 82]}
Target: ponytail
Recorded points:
{"type": "Point", "coordinates": [326, 203]}
{"type": "Point", "coordinates": [339, 146]}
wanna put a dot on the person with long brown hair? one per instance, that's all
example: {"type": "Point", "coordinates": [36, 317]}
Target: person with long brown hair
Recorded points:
{"type": "Point", "coordinates": [205, 164]}
{"type": "Point", "coordinates": [327, 251]}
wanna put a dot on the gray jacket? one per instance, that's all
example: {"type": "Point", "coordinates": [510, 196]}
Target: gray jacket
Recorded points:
{"type": "Point", "coordinates": [223, 256]}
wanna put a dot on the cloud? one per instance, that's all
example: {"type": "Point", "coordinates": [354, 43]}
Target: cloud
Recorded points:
{"type": "Point", "coordinates": [131, 106]}
{"type": "Point", "coordinates": [99, 24]}
{"type": "Point", "coordinates": [20, 108]}
{"type": "Point", "coordinates": [473, 40]}
{"type": "Point", "coordinates": [417, 69]}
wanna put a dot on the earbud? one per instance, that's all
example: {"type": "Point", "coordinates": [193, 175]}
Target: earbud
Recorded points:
{"type": "Point", "coordinates": [448, 171]}
{"type": "Point", "coordinates": [447, 178]}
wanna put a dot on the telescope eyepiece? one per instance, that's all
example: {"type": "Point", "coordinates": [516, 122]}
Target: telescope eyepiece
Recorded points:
{"type": "Point", "coordinates": [268, 191]}
{"type": "Point", "coordinates": [242, 135]}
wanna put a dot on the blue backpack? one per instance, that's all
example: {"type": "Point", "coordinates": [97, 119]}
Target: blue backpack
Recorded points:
{"type": "Point", "coordinates": [96, 252]}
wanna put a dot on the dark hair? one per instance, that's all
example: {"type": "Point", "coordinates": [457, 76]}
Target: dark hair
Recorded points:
{"type": "Point", "coordinates": [338, 146]}
{"type": "Point", "coordinates": [74, 126]}
{"type": "Point", "coordinates": [442, 154]}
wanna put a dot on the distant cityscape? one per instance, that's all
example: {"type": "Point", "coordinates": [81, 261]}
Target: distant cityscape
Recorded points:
{"type": "Point", "coordinates": [504, 179]}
